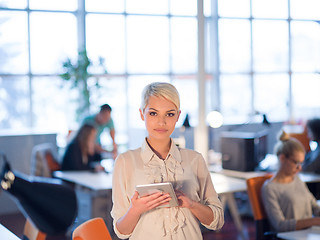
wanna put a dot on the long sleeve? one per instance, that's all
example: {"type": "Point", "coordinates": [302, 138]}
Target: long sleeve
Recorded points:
{"type": "Point", "coordinates": [285, 203]}
{"type": "Point", "coordinates": [120, 197]}
{"type": "Point", "coordinates": [273, 209]}
{"type": "Point", "coordinates": [208, 196]}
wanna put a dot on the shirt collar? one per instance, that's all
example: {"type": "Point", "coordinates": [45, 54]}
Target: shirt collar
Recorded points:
{"type": "Point", "coordinates": [147, 154]}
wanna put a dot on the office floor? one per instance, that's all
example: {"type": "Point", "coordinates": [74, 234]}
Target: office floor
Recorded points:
{"type": "Point", "coordinates": [15, 223]}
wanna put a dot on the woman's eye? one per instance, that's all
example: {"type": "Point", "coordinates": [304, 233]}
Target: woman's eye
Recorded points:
{"type": "Point", "coordinates": [171, 114]}
{"type": "Point", "coordinates": [152, 113]}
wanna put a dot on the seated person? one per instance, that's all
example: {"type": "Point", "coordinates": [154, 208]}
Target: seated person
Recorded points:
{"type": "Point", "coordinates": [312, 159]}
{"type": "Point", "coordinates": [288, 202]}
{"type": "Point", "coordinates": [79, 154]}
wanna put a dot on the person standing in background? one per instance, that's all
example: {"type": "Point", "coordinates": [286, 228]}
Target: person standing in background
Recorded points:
{"type": "Point", "coordinates": [101, 121]}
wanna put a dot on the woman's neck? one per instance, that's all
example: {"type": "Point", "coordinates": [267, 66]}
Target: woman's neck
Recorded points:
{"type": "Point", "coordinates": [160, 148]}
{"type": "Point", "coordinates": [282, 177]}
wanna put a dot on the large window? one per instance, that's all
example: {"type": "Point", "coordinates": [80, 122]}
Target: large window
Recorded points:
{"type": "Point", "coordinates": [269, 58]}
{"type": "Point", "coordinates": [261, 56]}
{"type": "Point", "coordinates": [140, 41]}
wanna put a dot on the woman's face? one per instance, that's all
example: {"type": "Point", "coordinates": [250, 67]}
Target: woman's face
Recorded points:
{"type": "Point", "coordinates": [293, 164]}
{"type": "Point", "coordinates": [91, 141]}
{"type": "Point", "coordinates": [160, 117]}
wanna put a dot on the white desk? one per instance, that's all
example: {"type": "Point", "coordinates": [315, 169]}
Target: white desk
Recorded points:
{"type": "Point", "coordinates": [312, 233]}
{"type": "Point", "coordinates": [305, 177]}
{"type": "Point", "coordinates": [226, 186]}
{"type": "Point", "coordinates": [92, 180]}
{"type": "Point", "coordinates": [94, 195]}
{"type": "Point", "coordinates": [309, 177]}
{"type": "Point", "coordinates": [6, 234]}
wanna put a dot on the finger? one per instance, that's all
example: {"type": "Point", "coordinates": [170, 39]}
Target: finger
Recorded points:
{"type": "Point", "coordinates": [159, 203]}
{"type": "Point", "coordinates": [154, 195]}
{"type": "Point", "coordinates": [135, 195]}
{"type": "Point", "coordinates": [161, 199]}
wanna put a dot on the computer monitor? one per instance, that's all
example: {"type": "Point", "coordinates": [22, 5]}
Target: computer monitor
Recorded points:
{"type": "Point", "coordinates": [243, 151]}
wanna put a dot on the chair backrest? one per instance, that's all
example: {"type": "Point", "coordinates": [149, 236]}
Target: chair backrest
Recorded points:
{"type": "Point", "coordinates": [303, 138]}
{"type": "Point", "coordinates": [92, 229]}
{"type": "Point", "coordinates": [30, 232]}
{"type": "Point", "coordinates": [44, 160]}
{"type": "Point", "coordinates": [254, 186]}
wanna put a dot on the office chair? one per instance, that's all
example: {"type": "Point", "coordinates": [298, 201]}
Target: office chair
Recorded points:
{"type": "Point", "coordinates": [30, 232]}
{"type": "Point", "coordinates": [254, 186]}
{"type": "Point", "coordinates": [93, 229]}
{"type": "Point", "coordinates": [44, 160]}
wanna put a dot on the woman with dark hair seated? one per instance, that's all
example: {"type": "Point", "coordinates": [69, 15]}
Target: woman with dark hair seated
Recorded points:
{"type": "Point", "coordinates": [79, 154]}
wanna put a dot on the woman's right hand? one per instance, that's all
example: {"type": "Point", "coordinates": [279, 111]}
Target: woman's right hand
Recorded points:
{"type": "Point", "coordinates": [143, 204]}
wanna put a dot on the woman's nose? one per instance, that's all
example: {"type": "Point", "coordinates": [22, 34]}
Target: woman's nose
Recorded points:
{"type": "Point", "coordinates": [162, 120]}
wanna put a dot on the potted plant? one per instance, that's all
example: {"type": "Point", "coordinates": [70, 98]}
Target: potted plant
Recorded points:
{"type": "Point", "coordinates": [77, 73]}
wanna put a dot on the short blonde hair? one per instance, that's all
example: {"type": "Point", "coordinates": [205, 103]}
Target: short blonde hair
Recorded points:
{"type": "Point", "coordinates": [160, 89]}
{"type": "Point", "coordinates": [287, 145]}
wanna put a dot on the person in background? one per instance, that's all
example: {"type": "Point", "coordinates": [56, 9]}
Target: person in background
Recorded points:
{"type": "Point", "coordinates": [101, 121]}
{"type": "Point", "coordinates": [312, 159]}
{"type": "Point", "coordinates": [160, 160]}
{"type": "Point", "coordinates": [79, 154]}
{"type": "Point", "coordinates": [289, 203]}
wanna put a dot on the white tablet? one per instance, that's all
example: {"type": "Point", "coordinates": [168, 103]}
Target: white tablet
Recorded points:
{"type": "Point", "coordinates": [147, 189]}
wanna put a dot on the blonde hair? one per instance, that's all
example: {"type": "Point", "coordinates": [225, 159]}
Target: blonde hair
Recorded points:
{"type": "Point", "coordinates": [160, 89]}
{"type": "Point", "coordinates": [287, 145]}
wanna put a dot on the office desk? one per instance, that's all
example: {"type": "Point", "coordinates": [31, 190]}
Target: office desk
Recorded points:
{"type": "Point", "coordinates": [305, 177]}
{"type": "Point", "coordinates": [312, 233]}
{"type": "Point", "coordinates": [226, 186]}
{"type": "Point", "coordinates": [94, 195]}
{"type": "Point", "coordinates": [97, 181]}
{"type": "Point", "coordinates": [6, 234]}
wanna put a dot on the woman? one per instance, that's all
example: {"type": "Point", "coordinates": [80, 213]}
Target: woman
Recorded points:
{"type": "Point", "coordinates": [79, 154]}
{"type": "Point", "coordinates": [288, 202]}
{"type": "Point", "coordinates": [160, 160]}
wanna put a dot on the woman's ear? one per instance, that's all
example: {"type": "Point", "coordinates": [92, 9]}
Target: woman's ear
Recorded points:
{"type": "Point", "coordinates": [141, 114]}
{"type": "Point", "coordinates": [282, 157]}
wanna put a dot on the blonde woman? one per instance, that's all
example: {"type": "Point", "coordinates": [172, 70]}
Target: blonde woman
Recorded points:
{"type": "Point", "coordinates": [288, 202]}
{"type": "Point", "coordinates": [160, 160]}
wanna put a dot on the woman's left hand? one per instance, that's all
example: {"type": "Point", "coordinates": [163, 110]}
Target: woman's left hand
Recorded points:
{"type": "Point", "coordinates": [184, 201]}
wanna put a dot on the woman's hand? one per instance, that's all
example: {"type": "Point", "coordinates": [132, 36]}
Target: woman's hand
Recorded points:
{"type": "Point", "coordinates": [202, 212]}
{"type": "Point", "coordinates": [146, 203]}
{"type": "Point", "coordinates": [140, 205]}
{"type": "Point", "coordinates": [184, 201]}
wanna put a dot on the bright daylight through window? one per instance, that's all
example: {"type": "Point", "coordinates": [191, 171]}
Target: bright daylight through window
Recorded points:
{"type": "Point", "coordinates": [262, 55]}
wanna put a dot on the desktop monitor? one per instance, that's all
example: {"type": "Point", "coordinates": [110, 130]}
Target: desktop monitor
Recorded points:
{"type": "Point", "coordinates": [243, 151]}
